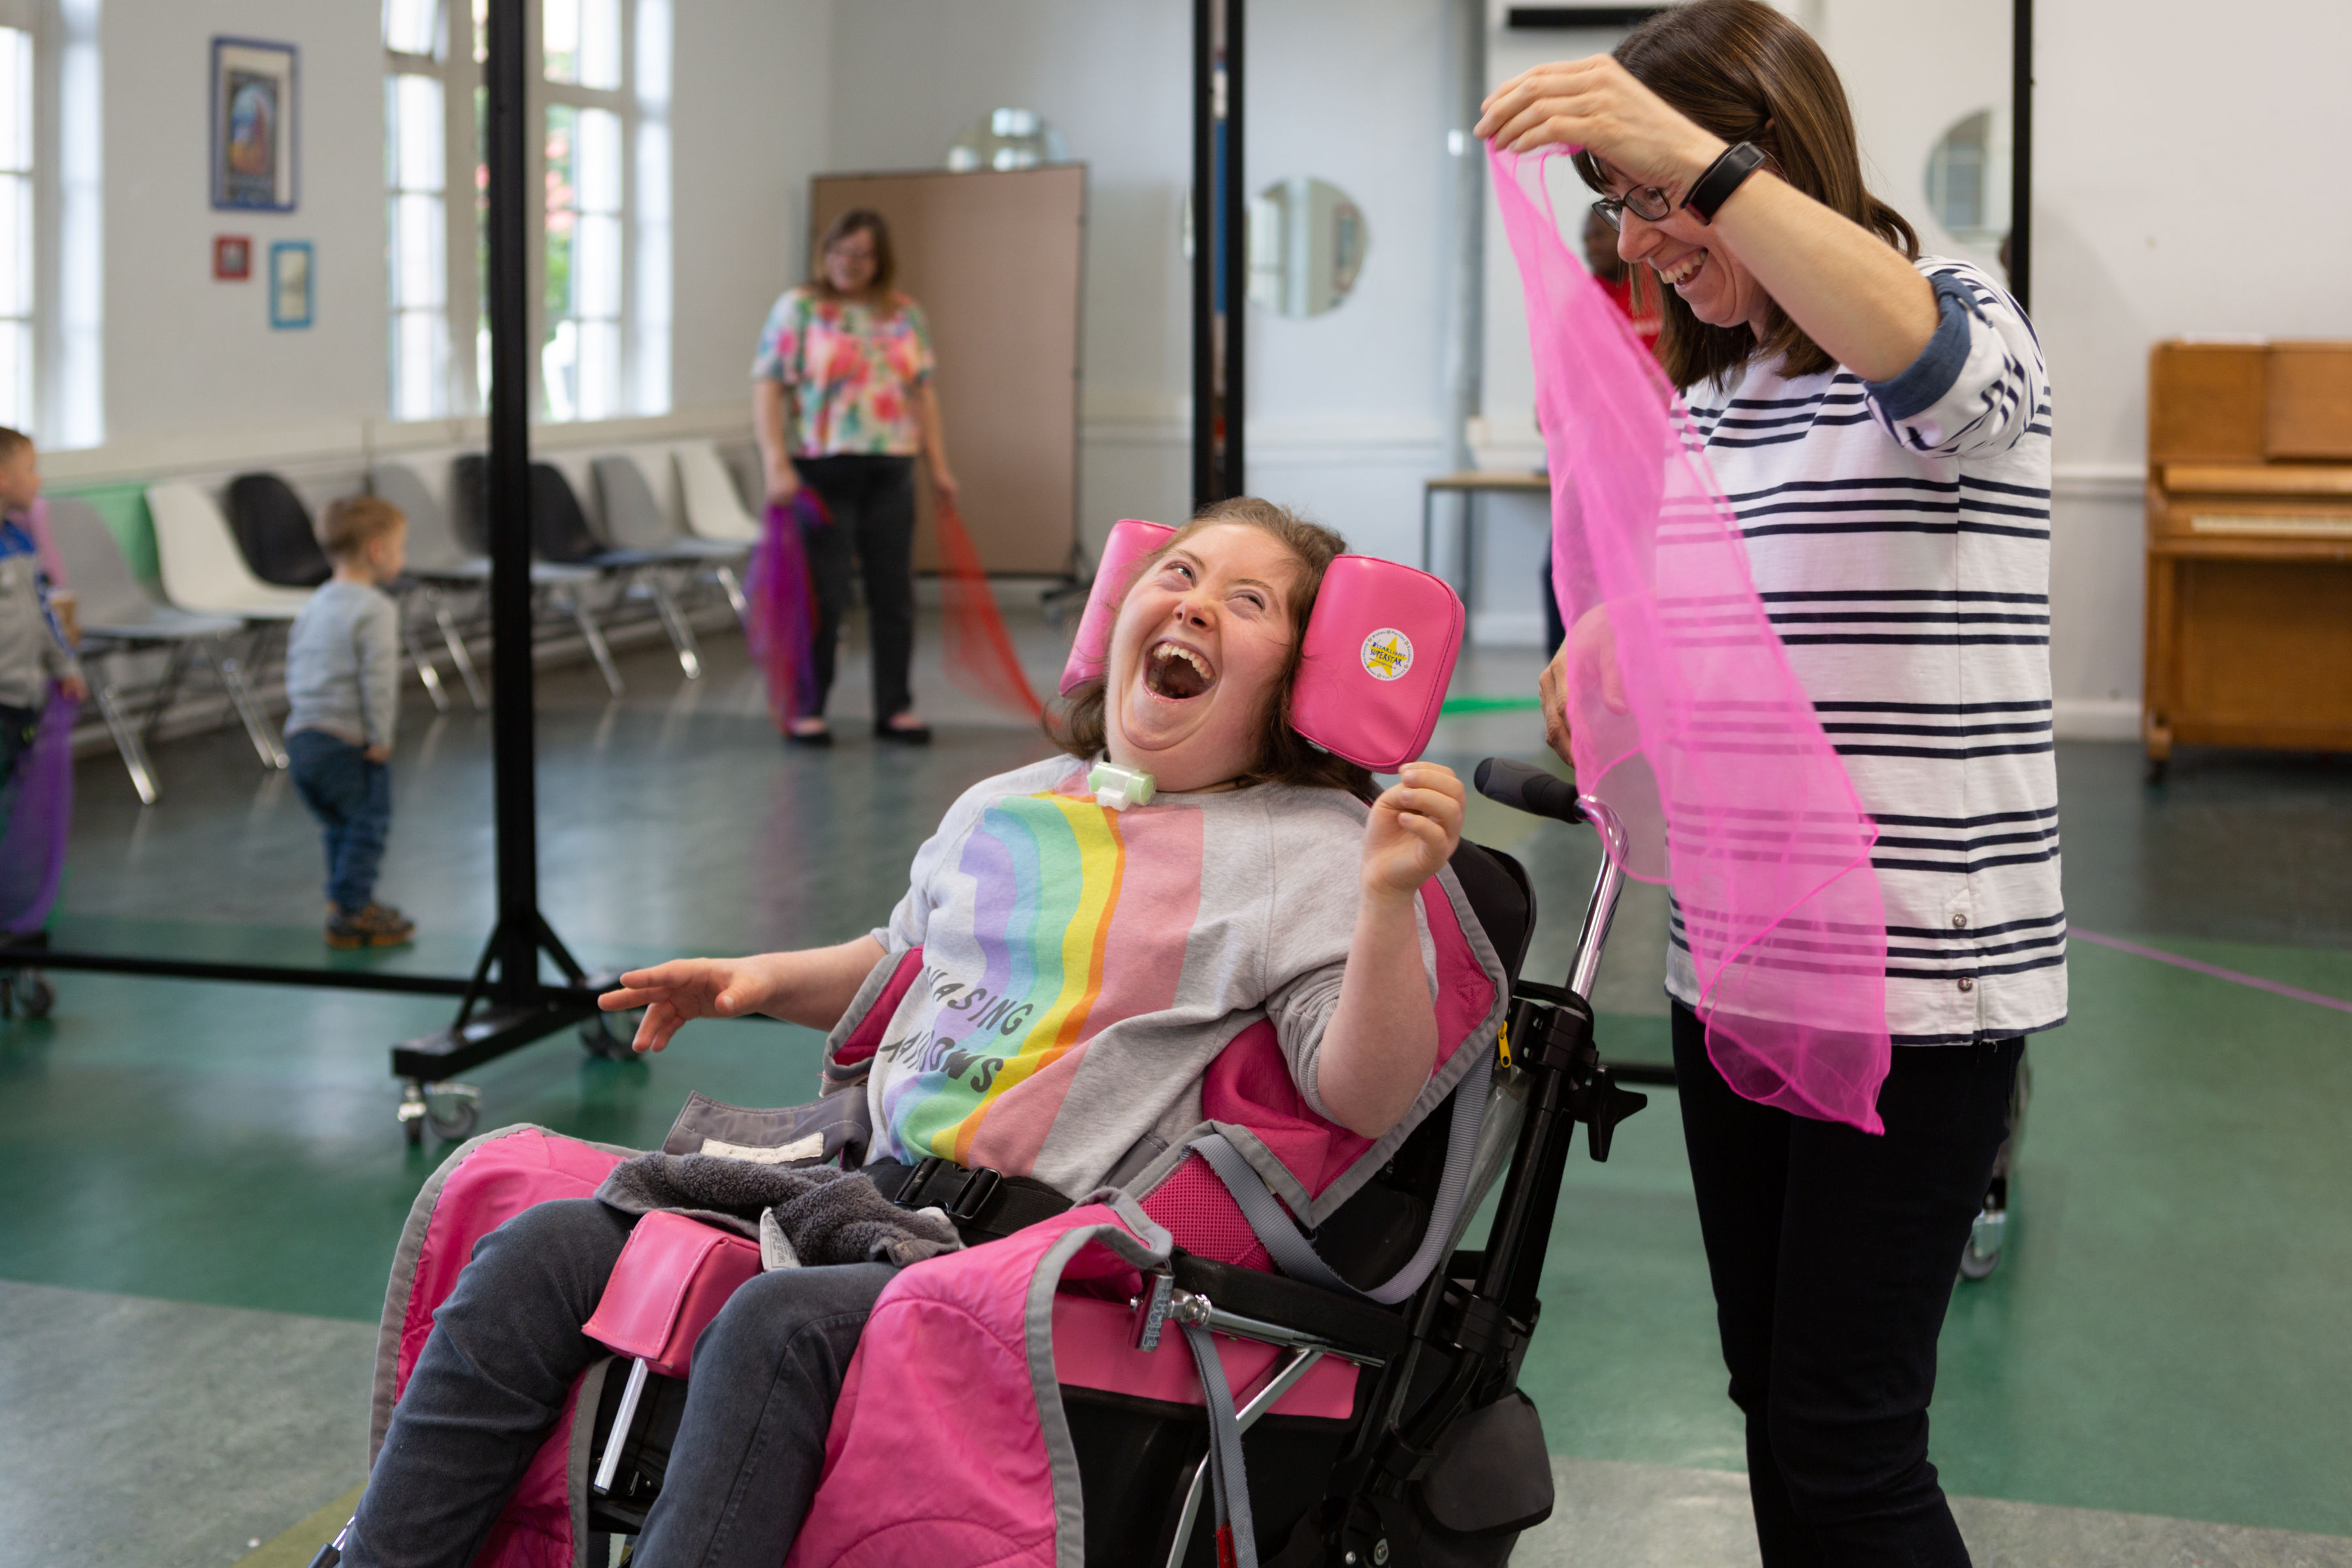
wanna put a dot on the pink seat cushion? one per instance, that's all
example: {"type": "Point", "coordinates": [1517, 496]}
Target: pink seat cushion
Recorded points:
{"type": "Point", "coordinates": [1094, 1347]}
{"type": "Point", "coordinates": [673, 1276]}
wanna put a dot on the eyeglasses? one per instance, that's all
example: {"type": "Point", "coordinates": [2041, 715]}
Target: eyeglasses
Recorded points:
{"type": "Point", "coordinates": [1647, 203]}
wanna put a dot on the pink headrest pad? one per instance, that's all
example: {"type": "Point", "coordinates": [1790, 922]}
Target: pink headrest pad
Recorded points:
{"type": "Point", "coordinates": [1379, 654]}
{"type": "Point", "coordinates": [1380, 651]}
{"type": "Point", "coordinates": [1131, 539]}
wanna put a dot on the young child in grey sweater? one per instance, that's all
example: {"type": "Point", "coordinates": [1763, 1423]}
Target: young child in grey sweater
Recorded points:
{"type": "Point", "coordinates": [32, 650]}
{"type": "Point", "coordinates": [343, 682]}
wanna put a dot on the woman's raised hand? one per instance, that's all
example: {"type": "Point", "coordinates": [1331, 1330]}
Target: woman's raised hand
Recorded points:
{"type": "Point", "coordinates": [1412, 830]}
{"type": "Point", "coordinates": [1596, 103]}
{"type": "Point", "coordinates": [687, 988]}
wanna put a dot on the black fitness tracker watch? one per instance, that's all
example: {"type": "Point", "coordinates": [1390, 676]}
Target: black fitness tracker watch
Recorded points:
{"type": "Point", "coordinates": [1722, 176]}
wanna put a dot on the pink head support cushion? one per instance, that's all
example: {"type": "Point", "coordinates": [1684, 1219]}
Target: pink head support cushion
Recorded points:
{"type": "Point", "coordinates": [1380, 652]}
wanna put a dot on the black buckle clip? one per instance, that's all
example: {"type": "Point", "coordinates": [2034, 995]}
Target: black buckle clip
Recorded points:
{"type": "Point", "coordinates": [910, 1189]}
{"type": "Point", "coordinates": [972, 1197]}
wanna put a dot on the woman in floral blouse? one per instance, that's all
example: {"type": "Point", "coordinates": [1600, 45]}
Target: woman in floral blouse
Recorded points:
{"type": "Point", "coordinates": [842, 402]}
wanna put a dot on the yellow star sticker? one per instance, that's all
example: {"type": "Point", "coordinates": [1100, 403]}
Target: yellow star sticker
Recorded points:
{"type": "Point", "coordinates": [1387, 655]}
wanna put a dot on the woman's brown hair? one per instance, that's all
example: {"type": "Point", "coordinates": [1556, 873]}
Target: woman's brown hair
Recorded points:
{"type": "Point", "coordinates": [878, 231]}
{"type": "Point", "coordinates": [1075, 722]}
{"type": "Point", "coordinates": [1747, 73]}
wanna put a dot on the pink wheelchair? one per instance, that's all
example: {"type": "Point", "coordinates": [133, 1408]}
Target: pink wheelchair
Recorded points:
{"type": "Point", "coordinates": [1221, 1369]}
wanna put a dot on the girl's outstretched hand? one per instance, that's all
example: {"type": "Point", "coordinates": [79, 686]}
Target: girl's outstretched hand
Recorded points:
{"type": "Point", "coordinates": [686, 988]}
{"type": "Point", "coordinates": [1412, 830]}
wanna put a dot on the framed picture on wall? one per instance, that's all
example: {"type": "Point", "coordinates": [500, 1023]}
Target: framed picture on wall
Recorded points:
{"type": "Point", "coordinates": [293, 283]}
{"type": "Point", "coordinates": [254, 112]}
{"type": "Point", "coordinates": [232, 258]}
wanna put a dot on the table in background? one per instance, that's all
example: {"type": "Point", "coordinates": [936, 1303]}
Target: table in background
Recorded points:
{"type": "Point", "coordinates": [1470, 485]}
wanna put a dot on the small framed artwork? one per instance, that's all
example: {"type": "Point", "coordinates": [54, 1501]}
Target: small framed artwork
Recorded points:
{"type": "Point", "coordinates": [293, 283]}
{"type": "Point", "coordinates": [253, 131]}
{"type": "Point", "coordinates": [232, 258]}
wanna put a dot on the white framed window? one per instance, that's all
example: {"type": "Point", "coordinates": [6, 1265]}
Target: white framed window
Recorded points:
{"type": "Point", "coordinates": [19, 328]}
{"type": "Point", "coordinates": [599, 195]}
{"type": "Point", "coordinates": [431, 161]}
{"type": "Point", "coordinates": [605, 254]}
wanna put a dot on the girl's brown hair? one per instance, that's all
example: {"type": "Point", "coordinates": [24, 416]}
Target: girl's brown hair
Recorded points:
{"type": "Point", "coordinates": [1075, 722]}
{"type": "Point", "coordinates": [1747, 73]}
{"type": "Point", "coordinates": [886, 261]}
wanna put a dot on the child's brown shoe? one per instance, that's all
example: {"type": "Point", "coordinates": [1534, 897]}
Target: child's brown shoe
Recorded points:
{"type": "Point", "coordinates": [378, 925]}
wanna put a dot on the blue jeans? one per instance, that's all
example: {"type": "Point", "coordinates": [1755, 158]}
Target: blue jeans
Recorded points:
{"type": "Point", "coordinates": [506, 1348]}
{"type": "Point", "coordinates": [352, 798]}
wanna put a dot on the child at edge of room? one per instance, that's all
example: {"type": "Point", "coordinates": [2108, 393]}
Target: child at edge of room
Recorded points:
{"type": "Point", "coordinates": [33, 647]}
{"type": "Point", "coordinates": [342, 686]}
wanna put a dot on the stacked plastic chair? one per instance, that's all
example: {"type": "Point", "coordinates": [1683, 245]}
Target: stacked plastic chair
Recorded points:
{"type": "Point", "coordinates": [634, 521]}
{"type": "Point", "coordinates": [119, 616]}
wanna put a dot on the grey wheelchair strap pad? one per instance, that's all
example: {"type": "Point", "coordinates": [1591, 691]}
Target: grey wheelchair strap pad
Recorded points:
{"type": "Point", "coordinates": [1228, 1480]}
{"type": "Point", "coordinates": [1296, 1255]}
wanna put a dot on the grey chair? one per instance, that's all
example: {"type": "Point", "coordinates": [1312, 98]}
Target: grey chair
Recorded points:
{"type": "Point", "coordinates": [438, 566]}
{"type": "Point", "coordinates": [634, 521]}
{"type": "Point", "coordinates": [563, 584]}
{"type": "Point", "coordinates": [118, 616]}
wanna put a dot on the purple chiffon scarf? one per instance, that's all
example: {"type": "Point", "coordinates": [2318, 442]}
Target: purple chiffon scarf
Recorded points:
{"type": "Point", "coordinates": [39, 802]}
{"type": "Point", "coordinates": [781, 601]}
{"type": "Point", "coordinates": [1685, 717]}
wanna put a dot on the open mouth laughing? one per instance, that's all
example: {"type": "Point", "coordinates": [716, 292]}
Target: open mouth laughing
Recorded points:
{"type": "Point", "coordinates": [1683, 270]}
{"type": "Point", "coordinates": [1175, 673]}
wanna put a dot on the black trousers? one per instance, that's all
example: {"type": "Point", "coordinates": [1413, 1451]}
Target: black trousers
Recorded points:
{"type": "Point", "coordinates": [872, 500]}
{"type": "Point", "coordinates": [1833, 1253]}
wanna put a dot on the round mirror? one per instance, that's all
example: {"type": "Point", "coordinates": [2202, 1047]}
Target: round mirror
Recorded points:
{"type": "Point", "coordinates": [1307, 245]}
{"type": "Point", "coordinates": [1967, 179]}
{"type": "Point", "coordinates": [1008, 139]}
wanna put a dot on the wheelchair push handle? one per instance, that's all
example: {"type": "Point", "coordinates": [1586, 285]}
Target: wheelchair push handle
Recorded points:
{"type": "Point", "coordinates": [1526, 787]}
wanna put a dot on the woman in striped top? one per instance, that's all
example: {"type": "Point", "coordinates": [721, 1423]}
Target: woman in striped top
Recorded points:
{"type": "Point", "coordinates": [1880, 423]}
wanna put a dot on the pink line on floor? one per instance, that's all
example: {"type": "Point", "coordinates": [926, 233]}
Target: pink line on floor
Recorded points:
{"type": "Point", "coordinates": [2215, 970]}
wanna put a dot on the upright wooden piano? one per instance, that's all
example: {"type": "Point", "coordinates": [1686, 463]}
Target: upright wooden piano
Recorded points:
{"type": "Point", "coordinates": [2249, 547]}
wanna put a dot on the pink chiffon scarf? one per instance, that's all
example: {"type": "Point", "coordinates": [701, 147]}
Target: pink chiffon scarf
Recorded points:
{"type": "Point", "coordinates": [1685, 717]}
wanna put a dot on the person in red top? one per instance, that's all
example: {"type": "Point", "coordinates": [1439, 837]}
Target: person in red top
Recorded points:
{"type": "Point", "coordinates": [1634, 295]}
{"type": "Point", "coordinates": [1638, 298]}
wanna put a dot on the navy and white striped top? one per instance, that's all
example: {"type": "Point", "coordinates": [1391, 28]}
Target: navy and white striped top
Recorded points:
{"type": "Point", "coordinates": [1899, 534]}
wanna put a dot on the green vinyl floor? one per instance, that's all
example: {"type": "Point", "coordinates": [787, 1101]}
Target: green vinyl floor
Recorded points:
{"type": "Point", "coordinates": [2170, 1332]}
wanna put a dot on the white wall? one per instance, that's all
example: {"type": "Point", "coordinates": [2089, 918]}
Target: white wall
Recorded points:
{"type": "Point", "coordinates": [749, 122]}
{"type": "Point", "coordinates": [182, 352]}
{"type": "Point", "coordinates": [1115, 77]}
{"type": "Point", "coordinates": [194, 371]}
{"type": "Point", "coordinates": [1347, 409]}
{"type": "Point", "coordinates": [1345, 416]}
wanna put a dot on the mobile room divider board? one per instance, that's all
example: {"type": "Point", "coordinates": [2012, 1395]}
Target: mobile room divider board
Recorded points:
{"type": "Point", "coordinates": [994, 257]}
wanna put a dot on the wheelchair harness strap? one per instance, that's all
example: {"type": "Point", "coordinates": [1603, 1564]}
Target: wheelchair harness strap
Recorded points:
{"type": "Point", "coordinates": [1296, 1255]}
{"type": "Point", "coordinates": [984, 1204]}
{"type": "Point", "coordinates": [1228, 1482]}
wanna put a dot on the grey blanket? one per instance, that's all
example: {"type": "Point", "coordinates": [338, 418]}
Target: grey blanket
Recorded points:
{"type": "Point", "coordinates": [813, 1216]}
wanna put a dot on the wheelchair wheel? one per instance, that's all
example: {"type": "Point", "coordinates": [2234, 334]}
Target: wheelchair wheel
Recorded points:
{"type": "Point", "coordinates": [607, 1035]}
{"type": "Point", "coordinates": [1982, 1254]}
{"type": "Point", "coordinates": [451, 1110]}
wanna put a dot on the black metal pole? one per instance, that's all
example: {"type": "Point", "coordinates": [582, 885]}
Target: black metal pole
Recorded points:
{"type": "Point", "coordinates": [1235, 222]}
{"type": "Point", "coordinates": [1204, 253]}
{"type": "Point", "coordinates": [2021, 156]}
{"type": "Point", "coordinates": [513, 762]}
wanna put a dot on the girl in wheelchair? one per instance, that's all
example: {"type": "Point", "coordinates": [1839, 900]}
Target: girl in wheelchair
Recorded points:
{"type": "Point", "coordinates": [1042, 1003]}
